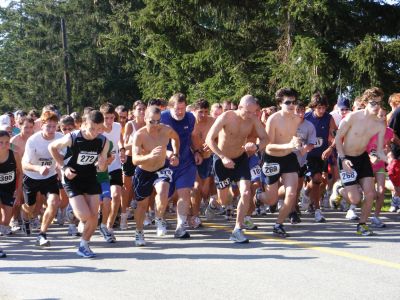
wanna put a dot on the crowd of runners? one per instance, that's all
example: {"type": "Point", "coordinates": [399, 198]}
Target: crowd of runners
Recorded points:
{"type": "Point", "coordinates": [119, 167]}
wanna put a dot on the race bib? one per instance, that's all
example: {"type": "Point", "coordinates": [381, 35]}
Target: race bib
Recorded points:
{"type": "Point", "coordinates": [222, 184]}
{"type": "Point", "coordinates": [165, 173]}
{"type": "Point", "coordinates": [7, 177]}
{"type": "Point", "coordinates": [319, 143]}
{"type": "Point", "coordinates": [271, 169]}
{"type": "Point", "coordinates": [86, 159]}
{"type": "Point", "coordinates": [45, 162]}
{"type": "Point", "coordinates": [255, 172]}
{"type": "Point", "coordinates": [347, 177]}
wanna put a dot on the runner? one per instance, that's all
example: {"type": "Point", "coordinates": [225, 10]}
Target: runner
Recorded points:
{"type": "Point", "coordinates": [149, 153]}
{"type": "Point", "coordinates": [352, 138]}
{"type": "Point", "coordinates": [10, 181]}
{"type": "Point", "coordinates": [279, 159]}
{"type": "Point", "coordinates": [184, 174]}
{"type": "Point", "coordinates": [231, 162]}
{"type": "Point", "coordinates": [317, 165]}
{"type": "Point", "coordinates": [40, 176]}
{"type": "Point", "coordinates": [113, 132]}
{"type": "Point", "coordinates": [79, 174]}
{"type": "Point", "coordinates": [201, 188]}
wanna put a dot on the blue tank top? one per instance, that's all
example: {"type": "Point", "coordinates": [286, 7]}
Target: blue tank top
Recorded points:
{"type": "Point", "coordinates": [184, 128]}
{"type": "Point", "coordinates": [322, 132]}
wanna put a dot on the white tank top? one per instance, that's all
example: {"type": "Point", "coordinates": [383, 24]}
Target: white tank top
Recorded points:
{"type": "Point", "coordinates": [37, 153]}
{"type": "Point", "coordinates": [114, 136]}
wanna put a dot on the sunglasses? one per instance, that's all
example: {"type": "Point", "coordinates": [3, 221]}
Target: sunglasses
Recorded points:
{"type": "Point", "coordinates": [288, 102]}
{"type": "Point", "coordinates": [154, 122]}
{"type": "Point", "coordinates": [67, 128]}
{"type": "Point", "coordinates": [374, 103]}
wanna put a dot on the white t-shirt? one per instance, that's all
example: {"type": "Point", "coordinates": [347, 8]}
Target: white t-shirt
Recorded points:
{"type": "Point", "coordinates": [37, 153]}
{"type": "Point", "coordinates": [114, 136]}
{"type": "Point", "coordinates": [336, 116]}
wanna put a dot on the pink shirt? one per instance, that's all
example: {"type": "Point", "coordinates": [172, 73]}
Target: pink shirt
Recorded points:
{"type": "Point", "coordinates": [372, 146]}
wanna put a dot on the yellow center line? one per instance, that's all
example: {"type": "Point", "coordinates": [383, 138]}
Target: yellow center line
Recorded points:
{"type": "Point", "coordinates": [300, 244]}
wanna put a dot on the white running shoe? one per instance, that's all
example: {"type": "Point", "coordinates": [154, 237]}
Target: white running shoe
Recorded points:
{"type": "Point", "coordinates": [195, 222]}
{"type": "Point", "coordinates": [351, 215]}
{"type": "Point", "coordinates": [42, 240]}
{"type": "Point", "coordinates": [395, 205]}
{"type": "Point", "coordinates": [319, 218]}
{"type": "Point", "coordinates": [161, 227]}
{"type": "Point", "coordinates": [15, 225]}
{"type": "Point", "coordinates": [123, 223]}
{"type": "Point", "coordinates": [147, 221]}
{"type": "Point", "coordinates": [139, 239]}
{"type": "Point", "coordinates": [304, 199]}
{"type": "Point", "coordinates": [238, 236]}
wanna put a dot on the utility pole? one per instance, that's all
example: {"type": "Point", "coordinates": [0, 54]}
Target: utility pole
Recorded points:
{"type": "Point", "coordinates": [66, 60]}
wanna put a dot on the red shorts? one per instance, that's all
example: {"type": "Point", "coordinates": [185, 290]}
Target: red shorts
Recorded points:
{"type": "Point", "coordinates": [394, 172]}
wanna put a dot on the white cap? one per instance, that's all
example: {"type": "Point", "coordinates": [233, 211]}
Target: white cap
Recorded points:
{"type": "Point", "coordinates": [5, 120]}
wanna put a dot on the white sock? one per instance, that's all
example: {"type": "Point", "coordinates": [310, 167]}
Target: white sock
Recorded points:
{"type": "Point", "coordinates": [84, 243]}
{"type": "Point", "coordinates": [181, 220]}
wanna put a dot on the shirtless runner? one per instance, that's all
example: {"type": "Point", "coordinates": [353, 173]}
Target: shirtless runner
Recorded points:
{"type": "Point", "coordinates": [231, 162]}
{"type": "Point", "coordinates": [280, 161]}
{"type": "Point", "coordinates": [355, 131]}
{"type": "Point", "coordinates": [149, 154]}
{"type": "Point", "coordinates": [201, 188]}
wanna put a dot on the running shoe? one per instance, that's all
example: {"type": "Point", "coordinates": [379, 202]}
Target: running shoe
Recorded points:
{"type": "Point", "coordinates": [195, 222]}
{"type": "Point", "coordinates": [351, 215]}
{"type": "Point", "coordinates": [238, 236]}
{"type": "Point", "coordinates": [147, 220]}
{"type": "Point", "coordinates": [73, 231]}
{"type": "Point", "coordinates": [249, 224]}
{"type": "Point", "coordinates": [15, 225]}
{"type": "Point", "coordinates": [161, 227]}
{"type": "Point", "coordinates": [377, 223]}
{"type": "Point", "coordinates": [106, 234]}
{"type": "Point", "coordinates": [42, 241]}
{"type": "Point", "coordinates": [111, 231]}
{"type": "Point", "coordinates": [181, 233]}
{"type": "Point", "coordinates": [2, 254]}
{"type": "Point", "coordinates": [139, 239]}
{"type": "Point", "coordinates": [319, 218]}
{"type": "Point", "coordinates": [35, 223]}
{"type": "Point", "coordinates": [210, 212]}
{"type": "Point", "coordinates": [363, 229]}
{"type": "Point", "coordinates": [304, 199]}
{"type": "Point", "coordinates": [278, 230]}
{"type": "Point", "coordinates": [85, 252]}
{"type": "Point", "coordinates": [124, 221]}
{"type": "Point", "coordinates": [7, 230]}
{"type": "Point", "coordinates": [395, 204]}
{"type": "Point", "coordinates": [294, 218]}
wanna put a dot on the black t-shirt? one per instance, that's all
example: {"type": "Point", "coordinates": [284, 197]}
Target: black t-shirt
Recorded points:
{"type": "Point", "coordinates": [8, 174]}
{"type": "Point", "coordinates": [394, 123]}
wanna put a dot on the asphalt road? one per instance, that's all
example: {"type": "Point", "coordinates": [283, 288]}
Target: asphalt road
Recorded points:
{"type": "Point", "coordinates": [326, 261]}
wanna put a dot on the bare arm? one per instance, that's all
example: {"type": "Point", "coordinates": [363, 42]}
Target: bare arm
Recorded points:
{"type": "Point", "coordinates": [212, 135]}
{"type": "Point", "coordinates": [344, 127]}
{"type": "Point", "coordinates": [18, 187]}
{"type": "Point", "coordinates": [175, 142]}
{"type": "Point", "coordinates": [262, 135]}
{"type": "Point", "coordinates": [128, 131]}
{"type": "Point", "coordinates": [57, 145]}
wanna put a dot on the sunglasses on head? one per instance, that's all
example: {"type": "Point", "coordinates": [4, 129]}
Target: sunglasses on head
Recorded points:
{"type": "Point", "coordinates": [288, 102]}
{"type": "Point", "coordinates": [155, 122]}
